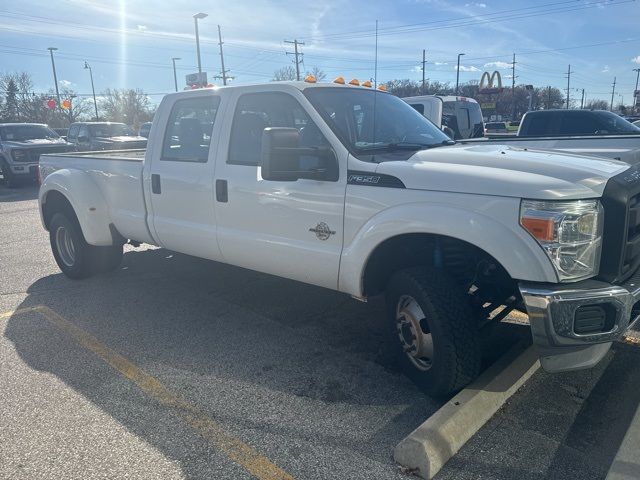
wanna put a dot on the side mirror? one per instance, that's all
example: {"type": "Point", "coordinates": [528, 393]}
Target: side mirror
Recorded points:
{"type": "Point", "coordinates": [282, 159]}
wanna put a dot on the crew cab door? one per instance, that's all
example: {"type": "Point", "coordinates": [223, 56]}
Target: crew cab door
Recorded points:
{"type": "Point", "coordinates": [181, 177]}
{"type": "Point", "coordinates": [292, 229]}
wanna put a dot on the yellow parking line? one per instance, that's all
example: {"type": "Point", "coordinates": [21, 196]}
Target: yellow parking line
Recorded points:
{"type": "Point", "coordinates": [238, 451]}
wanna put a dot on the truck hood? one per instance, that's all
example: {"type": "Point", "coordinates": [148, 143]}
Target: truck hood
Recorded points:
{"type": "Point", "coordinates": [505, 171]}
{"type": "Point", "coordinates": [36, 142]}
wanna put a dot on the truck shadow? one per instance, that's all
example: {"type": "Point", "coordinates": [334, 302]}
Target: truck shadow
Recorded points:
{"type": "Point", "coordinates": [220, 335]}
{"type": "Point", "coordinates": [19, 194]}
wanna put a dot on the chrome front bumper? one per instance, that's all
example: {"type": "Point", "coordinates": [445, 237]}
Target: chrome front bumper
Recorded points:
{"type": "Point", "coordinates": [552, 312]}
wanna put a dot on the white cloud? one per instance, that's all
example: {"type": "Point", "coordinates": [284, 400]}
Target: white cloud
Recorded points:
{"type": "Point", "coordinates": [65, 83]}
{"type": "Point", "coordinates": [636, 59]}
{"type": "Point", "coordinates": [141, 28]}
{"type": "Point", "coordinates": [441, 63]}
{"type": "Point", "coordinates": [464, 68]}
{"type": "Point", "coordinates": [416, 69]}
{"type": "Point", "coordinates": [497, 65]}
{"type": "Point", "coordinates": [605, 69]}
{"type": "Point", "coordinates": [475, 4]}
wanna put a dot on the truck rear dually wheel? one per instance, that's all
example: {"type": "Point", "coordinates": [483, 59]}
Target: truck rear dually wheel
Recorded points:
{"type": "Point", "coordinates": [70, 249]}
{"type": "Point", "coordinates": [434, 330]}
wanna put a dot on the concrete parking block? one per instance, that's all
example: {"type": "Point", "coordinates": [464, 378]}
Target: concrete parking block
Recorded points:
{"type": "Point", "coordinates": [425, 451]}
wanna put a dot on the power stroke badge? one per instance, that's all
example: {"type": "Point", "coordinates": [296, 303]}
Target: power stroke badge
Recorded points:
{"type": "Point", "coordinates": [322, 231]}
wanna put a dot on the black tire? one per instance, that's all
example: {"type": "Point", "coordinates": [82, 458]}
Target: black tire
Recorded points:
{"type": "Point", "coordinates": [106, 259]}
{"type": "Point", "coordinates": [79, 264]}
{"type": "Point", "coordinates": [454, 344]}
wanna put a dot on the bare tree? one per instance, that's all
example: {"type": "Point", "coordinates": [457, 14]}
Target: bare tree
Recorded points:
{"type": "Point", "coordinates": [284, 73]}
{"type": "Point", "coordinates": [130, 106]}
{"type": "Point", "coordinates": [318, 73]}
{"type": "Point", "coordinates": [597, 105]}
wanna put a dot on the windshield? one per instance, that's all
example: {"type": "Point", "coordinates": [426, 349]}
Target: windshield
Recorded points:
{"type": "Point", "coordinates": [612, 123]}
{"type": "Point", "coordinates": [111, 130]}
{"type": "Point", "coordinates": [368, 120]}
{"type": "Point", "coordinates": [20, 133]}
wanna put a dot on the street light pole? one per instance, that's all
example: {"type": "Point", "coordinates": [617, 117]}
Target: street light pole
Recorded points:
{"type": "Point", "coordinates": [196, 17]}
{"type": "Point", "coordinates": [458, 72]}
{"type": "Point", "coordinates": [55, 76]}
{"type": "Point", "coordinates": [175, 76]}
{"type": "Point", "coordinates": [635, 97]}
{"type": "Point", "coordinates": [93, 89]}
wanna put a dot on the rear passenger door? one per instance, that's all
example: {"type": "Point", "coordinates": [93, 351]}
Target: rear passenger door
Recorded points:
{"type": "Point", "coordinates": [181, 178]}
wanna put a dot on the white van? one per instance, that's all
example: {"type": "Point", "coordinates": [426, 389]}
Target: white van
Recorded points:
{"type": "Point", "coordinates": [460, 114]}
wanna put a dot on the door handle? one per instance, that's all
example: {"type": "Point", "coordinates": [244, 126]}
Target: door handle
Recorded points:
{"type": "Point", "coordinates": [222, 194]}
{"type": "Point", "coordinates": [155, 183]}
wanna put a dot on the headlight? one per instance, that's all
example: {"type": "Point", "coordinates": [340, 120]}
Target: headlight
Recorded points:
{"type": "Point", "coordinates": [570, 232]}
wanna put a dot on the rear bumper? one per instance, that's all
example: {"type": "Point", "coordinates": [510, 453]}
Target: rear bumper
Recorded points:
{"type": "Point", "coordinates": [556, 329]}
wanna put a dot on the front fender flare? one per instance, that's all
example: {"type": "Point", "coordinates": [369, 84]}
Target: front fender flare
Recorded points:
{"type": "Point", "coordinates": [87, 201]}
{"type": "Point", "coordinates": [509, 244]}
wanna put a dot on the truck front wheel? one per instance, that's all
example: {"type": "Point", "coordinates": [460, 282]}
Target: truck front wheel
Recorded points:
{"type": "Point", "coordinates": [434, 330]}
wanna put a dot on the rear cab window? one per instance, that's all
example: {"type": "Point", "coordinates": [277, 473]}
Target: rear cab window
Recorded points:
{"type": "Point", "coordinates": [187, 137]}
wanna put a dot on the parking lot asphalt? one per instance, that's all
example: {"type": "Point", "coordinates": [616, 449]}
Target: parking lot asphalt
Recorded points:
{"type": "Point", "coordinates": [175, 367]}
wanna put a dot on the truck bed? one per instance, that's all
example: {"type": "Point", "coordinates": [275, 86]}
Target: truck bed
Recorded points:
{"type": "Point", "coordinates": [118, 176]}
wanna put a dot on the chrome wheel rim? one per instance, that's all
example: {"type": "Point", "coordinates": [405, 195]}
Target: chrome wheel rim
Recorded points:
{"type": "Point", "coordinates": [65, 246]}
{"type": "Point", "coordinates": [414, 333]}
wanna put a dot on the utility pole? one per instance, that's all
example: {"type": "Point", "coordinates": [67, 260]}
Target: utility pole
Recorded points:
{"type": "Point", "coordinates": [224, 72]}
{"type": "Point", "coordinates": [375, 66]}
{"type": "Point", "coordinates": [635, 97]}
{"type": "Point", "coordinates": [458, 72]}
{"type": "Point", "coordinates": [424, 63]}
{"type": "Point", "coordinates": [95, 103]}
{"type": "Point", "coordinates": [513, 88]}
{"type": "Point", "coordinates": [582, 100]}
{"type": "Point", "coordinates": [568, 83]}
{"type": "Point", "coordinates": [613, 91]}
{"type": "Point", "coordinates": [297, 54]}
{"type": "Point", "coordinates": [548, 97]}
{"type": "Point", "coordinates": [175, 75]}
{"type": "Point", "coordinates": [55, 76]}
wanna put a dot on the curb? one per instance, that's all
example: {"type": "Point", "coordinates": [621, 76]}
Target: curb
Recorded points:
{"type": "Point", "coordinates": [425, 451]}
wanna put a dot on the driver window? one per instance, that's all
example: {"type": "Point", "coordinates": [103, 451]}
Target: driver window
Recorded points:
{"type": "Point", "coordinates": [257, 111]}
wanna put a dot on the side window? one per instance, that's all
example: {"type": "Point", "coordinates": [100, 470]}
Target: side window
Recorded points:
{"type": "Point", "coordinates": [84, 131]}
{"type": "Point", "coordinates": [257, 111]}
{"type": "Point", "coordinates": [465, 119]}
{"type": "Point", "coordinates": [419, 107]}
{"type": "Point", "coordinates": [73, 132]}
{"type": "Point", "coordinates": [188, 133]}
{"type": "Point", "coordinates": [537, 125]}
{"type": "Point", "coordinates": [578, 124]}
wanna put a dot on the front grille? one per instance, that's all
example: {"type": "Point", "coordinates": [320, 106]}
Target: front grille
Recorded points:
{"type": "Point", "coordinates": [33, 154]}
{"type": "Point", "coordinates": [621, 236]}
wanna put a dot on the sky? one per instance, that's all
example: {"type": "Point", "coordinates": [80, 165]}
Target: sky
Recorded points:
{"type": "Point", "coordinates": [129, 44]}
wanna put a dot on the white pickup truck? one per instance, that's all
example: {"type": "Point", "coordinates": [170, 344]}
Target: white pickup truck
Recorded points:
{"type": "Point", "coordinates": [351, 189]}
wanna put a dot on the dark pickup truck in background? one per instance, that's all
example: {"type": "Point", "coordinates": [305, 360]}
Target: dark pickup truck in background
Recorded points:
{"type": "Point", "coordinates": [91, 136]}
{"type": "Point", "coordinates": [21, 145]}
{"type": "Point", "coordinates": [584, 132]}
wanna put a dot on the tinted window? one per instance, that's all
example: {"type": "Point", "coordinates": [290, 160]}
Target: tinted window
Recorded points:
{"type": "Point", "coordinates": [538, 125]}
{"type": "Point", "coordinates": [23, 132]}
{"type": "Point", "coordinates": [257, 111]}
{"type": "Point", "coordinates": [611, 123]}
{"type": "Point", "coordinates": [580, 123]}
{"type": "Point", "coordinates": [73, 131]}
{"type": "Point", "coordinates": [111, 130]}
{"type": "Point", "coordinates": [84, 131]}
{"type": "Point", "coordinates": [419, 107]}
{"type": "Point", "coordinates": [189, 129]}
{"type": "Point", "coordinates": [465, 120]}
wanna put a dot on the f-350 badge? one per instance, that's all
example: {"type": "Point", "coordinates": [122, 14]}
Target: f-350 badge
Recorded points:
{"type": "Point", "coordinates": [322, 231]}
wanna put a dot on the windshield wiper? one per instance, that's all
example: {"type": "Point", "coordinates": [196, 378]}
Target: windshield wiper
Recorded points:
{"type": "Point", "coordinates": [405, 146]}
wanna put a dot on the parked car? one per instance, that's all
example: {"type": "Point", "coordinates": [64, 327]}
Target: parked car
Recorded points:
{"type": "Point", "coordinates": [21, 145]}
{"type": "Point", "coordinates": [144, 130]}
{"type": "Point", "coordinates": [495, 127]}
{"type": "Point", "coordinates": [351, 189]}
{"type": "Point", "coordinates": [513, 126]}
{"type": "Point", "coordinates": [459, 117]}
{"type": "Point", "coordinates": [637, 123]}
{"type": "Point", "coordinates": [61, 131]}
{"type": "Point", "coordinates": [103, 136]}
